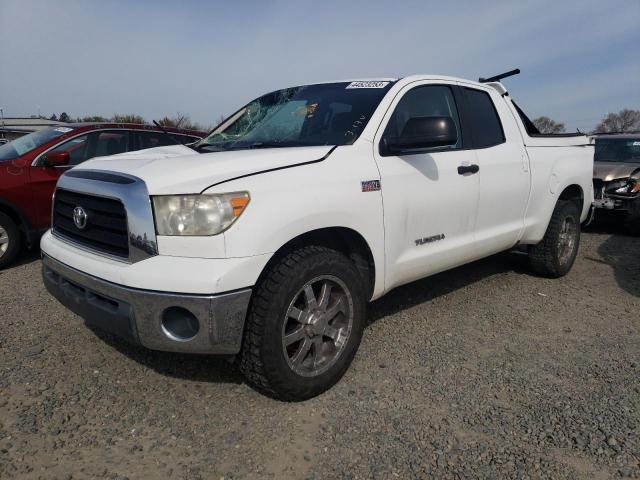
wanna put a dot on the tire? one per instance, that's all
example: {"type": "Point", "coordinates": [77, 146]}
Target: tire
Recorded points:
{"type": "Point", "coordinates": [553, 257]}
{"type": "Point", "coordinates": [9, 240]}
{"type": "Point", "coordinates": [319, 347]}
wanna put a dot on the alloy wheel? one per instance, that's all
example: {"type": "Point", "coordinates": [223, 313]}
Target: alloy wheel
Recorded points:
{"type": "Point", "coordinates": [4, 241]}
{"type": "Point", "coordinates": [567, 239]}
{"type": "Point", "coordinates": [317, 325]}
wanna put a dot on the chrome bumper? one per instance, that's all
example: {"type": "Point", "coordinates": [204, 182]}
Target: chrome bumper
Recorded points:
{"type": "Point", "coordinates": [137, 315]}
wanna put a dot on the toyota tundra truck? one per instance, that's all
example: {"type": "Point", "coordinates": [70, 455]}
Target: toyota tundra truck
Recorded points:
{"type": "Point", "coordinates": [266, 239]}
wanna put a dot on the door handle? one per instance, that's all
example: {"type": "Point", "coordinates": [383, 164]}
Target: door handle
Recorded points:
{"type": "Point", "coordinates": [462, 169]}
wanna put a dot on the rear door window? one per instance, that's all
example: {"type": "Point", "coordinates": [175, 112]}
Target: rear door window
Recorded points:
{"type": "Point", "coordinates": [152, 139]}
{"type": "Point", "coordinates": [111, 142]}
{"type": "Point", "coordinates": [483, 119]}
{"type": "Point", "coordinates": [187, 138]}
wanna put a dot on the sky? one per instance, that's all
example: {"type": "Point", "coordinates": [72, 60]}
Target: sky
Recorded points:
{"type": "Point", "coordinates": [579, 59]}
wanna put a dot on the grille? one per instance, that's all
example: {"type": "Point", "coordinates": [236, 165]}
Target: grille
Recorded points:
{"type": "Point", "coordinates": [106, 225]}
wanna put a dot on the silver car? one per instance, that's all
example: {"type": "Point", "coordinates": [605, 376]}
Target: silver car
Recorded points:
{"type": "Point", "coordinates": [616, 176]}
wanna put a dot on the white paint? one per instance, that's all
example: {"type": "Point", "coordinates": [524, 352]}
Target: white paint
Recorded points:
{"type": "Point", "coordinates": [367, 84]}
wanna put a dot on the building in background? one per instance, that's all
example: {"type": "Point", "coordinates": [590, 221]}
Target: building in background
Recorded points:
{"type": "Point", "coordinates": [14, 127]}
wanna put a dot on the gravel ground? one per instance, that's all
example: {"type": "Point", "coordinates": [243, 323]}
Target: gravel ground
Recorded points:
{"type": "Point", "coordinates": [480, 372]}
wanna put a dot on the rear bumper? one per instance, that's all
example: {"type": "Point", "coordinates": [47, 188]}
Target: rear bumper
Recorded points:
{"type": "Point", "coordinates": [139, 316]}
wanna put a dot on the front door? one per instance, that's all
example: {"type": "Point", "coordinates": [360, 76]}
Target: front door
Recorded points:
{"type": "Point", "coordinates": [430, 206]}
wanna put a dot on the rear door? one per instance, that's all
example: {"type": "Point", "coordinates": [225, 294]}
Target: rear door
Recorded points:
{"type": "Point", "coordinates": [429, 206]}
{"type": "Point", "coordinates": [504, 169]}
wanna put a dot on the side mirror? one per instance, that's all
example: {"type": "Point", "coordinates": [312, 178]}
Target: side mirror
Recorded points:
{"type": "Point", "coordinates": [420, 133]}
{"type": "Point", "coordinates": [56, 159]}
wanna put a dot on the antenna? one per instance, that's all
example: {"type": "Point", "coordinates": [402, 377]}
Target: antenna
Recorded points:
{"type": "Point", "coordinates": [497, 78]}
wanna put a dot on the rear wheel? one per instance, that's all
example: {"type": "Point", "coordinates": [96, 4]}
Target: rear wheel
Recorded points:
{"type": "Point", "coordinates": [304, 325]}
{"type": "Point", "coordinates": [9, 240]}
{"type": "Point", "coordinates": [554, 255]}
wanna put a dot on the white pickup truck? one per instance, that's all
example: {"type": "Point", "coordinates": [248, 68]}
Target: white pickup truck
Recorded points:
{"type": "Point", "coordinates": [267, 238]}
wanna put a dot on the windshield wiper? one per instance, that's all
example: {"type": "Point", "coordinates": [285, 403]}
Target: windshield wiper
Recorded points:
{"type": "Point", "coordinates": [207, 147]}
{"type": "Point", "coordinates": [245, 146]}
{"type": "Point", "coordinates": [272, 145]}
{"type": "Point", "coordinates": [266, 145]}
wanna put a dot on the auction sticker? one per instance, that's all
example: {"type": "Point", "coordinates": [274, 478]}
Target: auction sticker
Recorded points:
{"type": "Point", "coordinates": [367, 84]}
{"type": "Point", "coordinates": [63, 129]}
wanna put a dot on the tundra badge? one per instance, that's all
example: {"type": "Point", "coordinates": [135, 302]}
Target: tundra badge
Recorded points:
{"type": "Point", "coordinates": [431, 239]}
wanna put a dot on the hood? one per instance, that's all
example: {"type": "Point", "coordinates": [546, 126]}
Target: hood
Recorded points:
{"type": "Point", "coordinates": [177, 169]}
{"type": "Point", "coordinates": [608, 171]}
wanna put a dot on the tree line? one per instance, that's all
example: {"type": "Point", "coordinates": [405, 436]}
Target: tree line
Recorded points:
{"type": "Point", "coordinates": [625, 120]}
{"type": "Point", "coordinates": [178, 121]}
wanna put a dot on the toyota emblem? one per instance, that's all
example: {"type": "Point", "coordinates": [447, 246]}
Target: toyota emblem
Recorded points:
{"type": "Point", "coordinates": [80, 217]}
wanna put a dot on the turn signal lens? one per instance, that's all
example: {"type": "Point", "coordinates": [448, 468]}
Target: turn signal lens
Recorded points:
{"type": "Point", "coordinates": [238, 204]}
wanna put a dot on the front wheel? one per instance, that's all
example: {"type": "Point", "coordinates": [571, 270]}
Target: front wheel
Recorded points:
{"type": "Point", "coordinates": [304, 325]}
{"type": "Point", "coordinates": [554, 256]}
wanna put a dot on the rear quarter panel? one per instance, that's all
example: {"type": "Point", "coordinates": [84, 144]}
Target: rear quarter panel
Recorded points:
{"type": "Point", "coordinates": [553, 169]}
{"type": "Point", "coordinates": [555, 162]}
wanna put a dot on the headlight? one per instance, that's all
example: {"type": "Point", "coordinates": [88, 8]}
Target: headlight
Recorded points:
{"type": "Point", "coordinates": [198, 214]}
{"type": "Point", "coordinates": [632, 184]}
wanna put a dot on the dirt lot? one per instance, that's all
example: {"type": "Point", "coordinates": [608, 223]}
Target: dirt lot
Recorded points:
{"type": "Point", "coordinates": [481, 372]}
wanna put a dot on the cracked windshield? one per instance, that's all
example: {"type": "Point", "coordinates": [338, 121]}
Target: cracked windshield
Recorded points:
{"type": "Point", "coordinates": [323, 114]}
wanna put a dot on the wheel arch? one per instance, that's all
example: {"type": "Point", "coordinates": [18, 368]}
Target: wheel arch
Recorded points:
{"type": "Point", "coordinates": [541, 217]}
{"type": "Point", "coordinates": [573, 193]}
{"type": "Point", "coordinates": [343, 239]}
{"type": "Point", "coordinates": [15, 214]}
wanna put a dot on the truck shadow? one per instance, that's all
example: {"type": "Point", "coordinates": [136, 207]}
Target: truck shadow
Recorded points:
{"type": "Point", "coordinates": [427, 289]}
{"type": "Point", "coordinates": [622, 253]}
{"type": "Point", "coordinates": [608, 224]}
{"type": "Point", "coordinates": [196, 368]}
{"type": "Point", "coordinates": [202, 368]}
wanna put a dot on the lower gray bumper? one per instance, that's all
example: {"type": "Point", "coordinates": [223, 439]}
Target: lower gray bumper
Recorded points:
{"type": "Point", "coordinates": [137, 315]}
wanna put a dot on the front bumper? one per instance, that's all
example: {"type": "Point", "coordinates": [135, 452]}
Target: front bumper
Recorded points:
{"type": "Point", "coordinates": [139, 316]}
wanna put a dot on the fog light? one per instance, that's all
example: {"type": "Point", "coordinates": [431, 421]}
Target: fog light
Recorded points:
{"type": "Point", "coordinates": [179, 324]}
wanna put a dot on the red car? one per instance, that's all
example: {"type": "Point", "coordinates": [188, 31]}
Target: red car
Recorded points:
{"type": "Point", "coordinates": [30, 167]}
